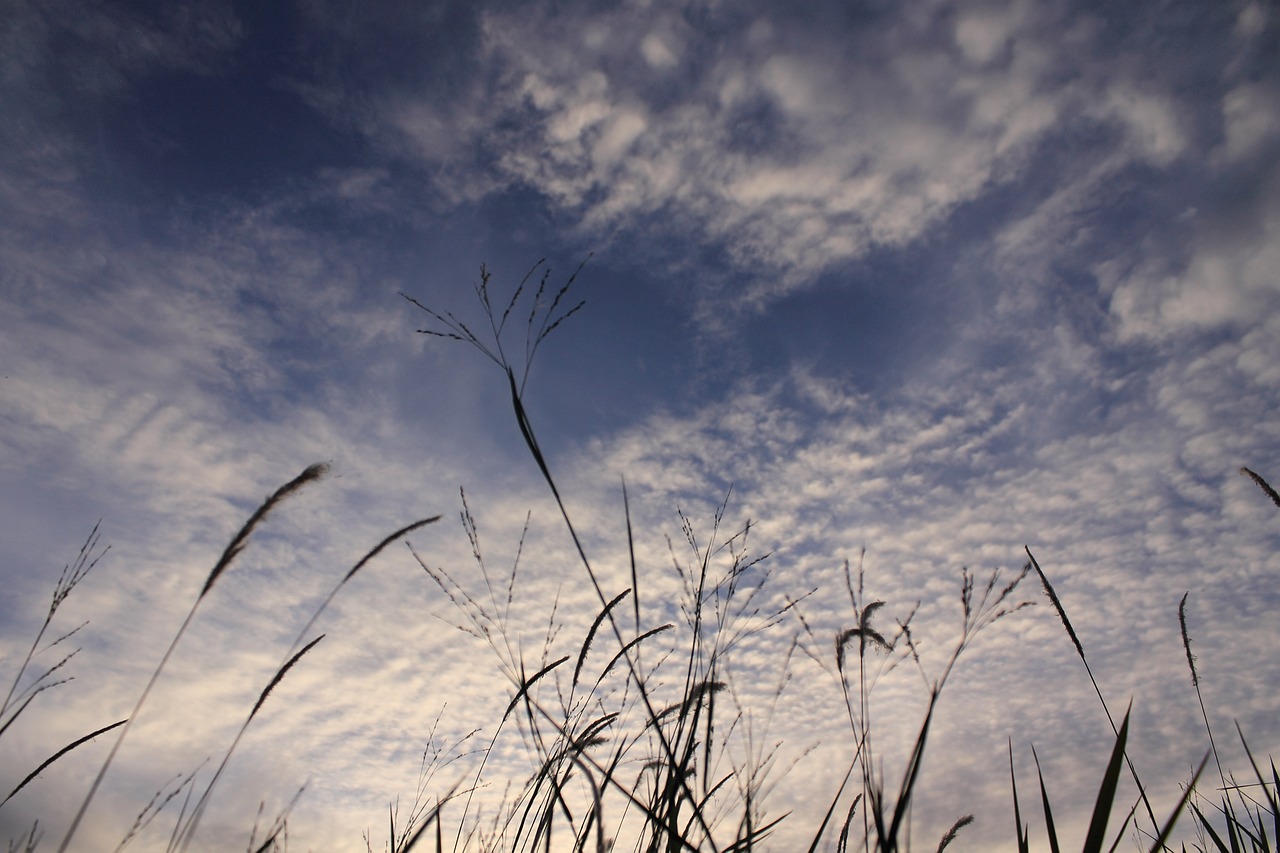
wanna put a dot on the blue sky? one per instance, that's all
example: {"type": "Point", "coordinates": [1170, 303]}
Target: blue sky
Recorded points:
{"type": "Point", "coordinates": [938, 280]}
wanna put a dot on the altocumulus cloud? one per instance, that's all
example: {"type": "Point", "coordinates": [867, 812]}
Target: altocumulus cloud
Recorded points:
{"type": "Point", "coordinates": [939, 280]}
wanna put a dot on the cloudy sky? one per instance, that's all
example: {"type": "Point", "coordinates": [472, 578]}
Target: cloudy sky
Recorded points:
{"type": "Point", "coordinates": [938, 280]}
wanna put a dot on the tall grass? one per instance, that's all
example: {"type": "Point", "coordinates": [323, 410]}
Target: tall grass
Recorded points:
{"type": "Point", "coordinates": [1247, 816]}
{"type": "Point", "coordinates": [639, 735]}
{"type": "Point", "coordinates": [675, 814]}
{"type": "Point", "coordinates": [188, 819]}
{"type": "Point", "coordinates": [869, 813]}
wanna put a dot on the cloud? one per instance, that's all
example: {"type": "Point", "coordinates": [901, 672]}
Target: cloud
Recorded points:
{"type": "Point", "coordinates": [104, 48]}
{"type": "Point", "coordinates": [1227, 279]}
{"type": "Point", "coordinates": [966, 476]}
{"type": "Point", "coordinates": [1110, 366]}
{"type": "Point", "coordinates": [795, 154]}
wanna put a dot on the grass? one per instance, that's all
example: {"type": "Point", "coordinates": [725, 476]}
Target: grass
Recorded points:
{"type": "Point", "coordinates": [638, 735]}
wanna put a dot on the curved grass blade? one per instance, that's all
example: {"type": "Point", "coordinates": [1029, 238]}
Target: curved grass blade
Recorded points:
{"type": "Point", "coordinates": [34, 773]}
{"type": "Point", "coordinates": [233, 549]}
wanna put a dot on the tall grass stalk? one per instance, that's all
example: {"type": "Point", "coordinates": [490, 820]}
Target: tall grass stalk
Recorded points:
{"type": "Point", "coordinates": [233, 549]}
{"type": "Point", "coordinates": [294, 654]}
{"type": "Point", "coordinates": [1052, 595]}
{"type": "Point", "coordinates": [16, 700]}
{"type": "Point", "coordinates": [683, 732]}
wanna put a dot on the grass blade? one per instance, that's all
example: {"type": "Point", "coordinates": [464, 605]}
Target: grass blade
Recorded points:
{"type": "Point", "coordinates": [34, 773]}
{"type": "Point", "coordinates": [1096, 836]}
{"type": "Point", "coordinates": [1048, 812]}
{"type": "Point", "coordinates": [1019, 828]}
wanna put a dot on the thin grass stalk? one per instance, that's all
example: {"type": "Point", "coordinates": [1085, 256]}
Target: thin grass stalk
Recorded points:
{"type": "Point", "coordinates": [826, 818]}
{"type": "Point", "coordinates": [531, 443]}
{"type": "Point", "coordinates": [1272, 797]}
{"type": "Point", "coordinates": [233, 549]}
{"type": "Point", "coordinates": [676, 747]}
{"type": "Point", "coordinates": [157, 804]}
{"type": "Point", "coordinates": [597, 810]}
{"type": "Point", "coordinates": [1128, 819]}
{"type": "Point", "coordinates": [432, 817]}
{"type": "Point", "coordinates": [189, 831]}
{"type": "Point", "coordinates": [1195, 682]}
{"type": "Point", "coordinates": [458, 331]}
{"type": "Point", "coordinates": [1178, 810]}
{"type": "Point", "coordinates": [1062, 615]}
{"type": "Point", "coordinates": [360, 564]}
{"type": "Point", "coordinates": [71, 575]}
{"type": "Point", "coordinates": [292, 657]}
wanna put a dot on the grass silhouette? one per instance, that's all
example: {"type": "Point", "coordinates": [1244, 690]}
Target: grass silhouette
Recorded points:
{"type": "Point", "coordinates": [639, 737]}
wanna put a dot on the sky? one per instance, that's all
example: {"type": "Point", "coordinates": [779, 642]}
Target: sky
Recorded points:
{"type": "Point", "coordinates": [908, 286]}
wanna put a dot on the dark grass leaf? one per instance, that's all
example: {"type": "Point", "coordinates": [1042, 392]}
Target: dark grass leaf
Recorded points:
{"type": "Point", "coordinates": [631, 555]}
{"type": "Point", "coordinates": [1208, 828]}
{"type": "Point", "coordinates": [1048, 812]}
{"type": "Point", "coordinates": [1096, 836]}
{"type": "Point", "coordinates": [1272, 798]}
{"type": "Point", "coordinates": [901, 809]}
{"type": "Point", "coordinates": [747, 843]}
{"type": "Point", "coordinates": [1019, 828]}
{"type": "Point", "coordinates": [826, 818]}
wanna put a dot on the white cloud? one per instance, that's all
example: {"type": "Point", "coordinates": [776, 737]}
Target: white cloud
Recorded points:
{"type": "Point", "coordinates": [1252, 20]}
{"type": "Point", "coordinates": [159, 398]}
{"type": "Point", "coordinates": [1251, 120]}
{"type": "Point", "coordinates": [982, 34]}
{"type": "Point", "coordinates": [793, 154]}
{"type": "Point", "coordinates": [966, 476]}
{"type": "Point", "coordinates": [1151, 121]}
{"type": "Point", "coordinates": [796, 155]}
{"type": "Point", "coordinates": [1229, 278]}
{"type": "Point", "coordinates": [657, 53]}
